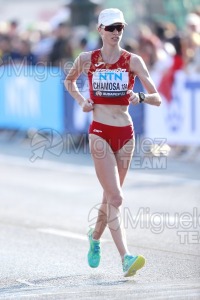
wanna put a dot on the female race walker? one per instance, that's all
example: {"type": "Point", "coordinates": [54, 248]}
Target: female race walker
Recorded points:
{"type": "Point", "coordinates": [111, 72]}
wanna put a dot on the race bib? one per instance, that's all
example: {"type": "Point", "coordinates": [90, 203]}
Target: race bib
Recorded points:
{"type": "Point", "coordinates": [110, 83]}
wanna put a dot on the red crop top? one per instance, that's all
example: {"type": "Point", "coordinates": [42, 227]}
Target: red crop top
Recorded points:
{"type": "Point", "coordinates": [108, 83]}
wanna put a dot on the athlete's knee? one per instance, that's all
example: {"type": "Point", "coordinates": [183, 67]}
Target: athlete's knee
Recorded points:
{"type": "Point", "coordinates": [115, 200]}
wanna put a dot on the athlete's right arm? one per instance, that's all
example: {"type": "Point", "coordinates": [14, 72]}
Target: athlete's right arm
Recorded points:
{"type": "Point", "coordinates": [80, 65]}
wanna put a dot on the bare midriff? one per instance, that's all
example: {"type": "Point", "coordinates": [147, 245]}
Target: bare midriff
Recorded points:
{"type": "Point", "coordinates": [114, 115]}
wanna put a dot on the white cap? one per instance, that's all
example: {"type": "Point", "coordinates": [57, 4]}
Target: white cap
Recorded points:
{"type": "Point", "coordinates": [110, 16]}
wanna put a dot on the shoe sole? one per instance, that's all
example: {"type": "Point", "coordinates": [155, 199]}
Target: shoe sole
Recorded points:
{"type": "Point", "coordinates": [137, 265]}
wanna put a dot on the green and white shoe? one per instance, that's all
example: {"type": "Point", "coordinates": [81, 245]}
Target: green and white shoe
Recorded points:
{"type": "Point", "coordinates": [94, 254]}
{"type": "Point", "coordinates": [132, 264]}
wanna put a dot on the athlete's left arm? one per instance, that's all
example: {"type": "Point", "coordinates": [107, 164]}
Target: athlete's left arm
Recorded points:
{"type": "Point", "coordinates": [139, 68]}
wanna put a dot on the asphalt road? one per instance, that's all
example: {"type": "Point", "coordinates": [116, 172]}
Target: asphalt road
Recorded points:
{"type": "Point", "coordinates": [46, 207]}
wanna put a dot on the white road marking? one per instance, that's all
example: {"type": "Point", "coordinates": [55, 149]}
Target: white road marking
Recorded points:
{"type": "Point", "coordinates": [25, 282]}
{"type": "Point", "coordinates": [65, 233]}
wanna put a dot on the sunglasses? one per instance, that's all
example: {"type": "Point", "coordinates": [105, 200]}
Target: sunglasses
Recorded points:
{"type": "Point", "coordinates": [111, 28]}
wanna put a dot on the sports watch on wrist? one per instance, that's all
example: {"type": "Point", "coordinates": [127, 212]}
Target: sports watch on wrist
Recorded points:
{"type": "Point", "coordinates": [141, 97]}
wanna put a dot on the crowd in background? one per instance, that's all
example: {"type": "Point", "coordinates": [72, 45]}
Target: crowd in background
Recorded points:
{"type": "Point", "coordinates": [164, 48]}
{"type": "Point", "coordinates": [161, 44]}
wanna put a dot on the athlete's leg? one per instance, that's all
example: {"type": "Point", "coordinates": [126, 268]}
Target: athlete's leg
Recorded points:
{"type": "Point", "coordinates": [123, 158]}
{"type": "Point", "coordinates": [101, 222]}
{"type": "Point", "coordinates": [109, 169]}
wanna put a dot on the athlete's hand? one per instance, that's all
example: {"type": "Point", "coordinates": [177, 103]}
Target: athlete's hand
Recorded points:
{"type": "Point", "coordinates": [134, 98]}
{"type": "Point", "coordinates": [87, 105]}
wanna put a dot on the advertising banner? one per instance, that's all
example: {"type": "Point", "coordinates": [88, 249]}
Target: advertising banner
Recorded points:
{"type": "Point", "coordinates": [31, 97]}
{"type": "Point", "coordinates": [177, 120]}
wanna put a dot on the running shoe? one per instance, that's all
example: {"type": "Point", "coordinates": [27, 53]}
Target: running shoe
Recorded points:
{"type": "Point", "coordinates": [94, 254]}
{"type": "Point", "coordinates": [132, 264]}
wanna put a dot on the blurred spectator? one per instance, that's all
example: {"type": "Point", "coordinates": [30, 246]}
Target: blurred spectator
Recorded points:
{"type": "Point", "coordinates": [16, 51]}
{"type": "Point", "coordinates": [8, 54]}
{"type": "Point", "coordinates": [131, 45]}
{"type": "Point", "coordinates": [172, 44]}
{"type": "Point", "coordinates": [191, 43]}
{"type": "Point", "coordinates": [152, 50]}
{"type": "Point", "coordinates": [82, 46]}
{"type": "Point", "coordinates": [61, 50]}
{"type": "Point", "coordinates": [148, 50]}
{"type": "Point", "coordinates": [5, 47]}
{"type": "Point", "coordinates": [25, 53]}
{"type": "Point", "coordinates": [164, 49]}
{"type": "Point", "coordinates": [13, 29]}
{"type": "Point", "coordinates": [43, 46]}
